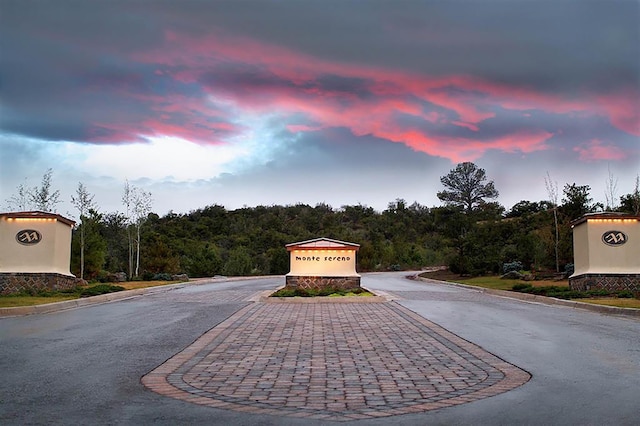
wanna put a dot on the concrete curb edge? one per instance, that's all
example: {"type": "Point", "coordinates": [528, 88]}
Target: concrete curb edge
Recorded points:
{"type": "Point", "coordinates": [532, 298]}
{"type": "Point", "coordinates": [112, 297]}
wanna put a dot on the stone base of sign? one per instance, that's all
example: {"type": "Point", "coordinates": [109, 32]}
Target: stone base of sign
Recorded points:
{"type": "Point", "coordinates": [320, 283]}
{"type": "Point", "coordinates": [17, 282]}
{"type": "Point", "coordinates": [613, 282]}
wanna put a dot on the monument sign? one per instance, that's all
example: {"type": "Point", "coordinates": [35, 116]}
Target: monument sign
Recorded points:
{"type": "Point", "coordinates": [606, 251]}
{"type": "Point", "coordinates": [323, 263]}
{"type": "Point", "coordinates": [35, 252]}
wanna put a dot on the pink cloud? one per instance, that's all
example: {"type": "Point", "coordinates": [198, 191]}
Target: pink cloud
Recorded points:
{"type": "Point", "coordinates": [596, 150]}
{"type": "Point", "coordinates": [624, 110]}
{"type": "Point", "coordinates": [297, 128]}
{"type": "Point", "coordinates": [293, 85]}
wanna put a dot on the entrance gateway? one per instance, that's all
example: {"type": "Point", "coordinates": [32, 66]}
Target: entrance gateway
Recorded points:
{"type": "Point", "coordinates": [35, 252]}
{"type": "Point", "coordinates": [606, 251]}
{"type": "Point", "coordinates": [322, 263]}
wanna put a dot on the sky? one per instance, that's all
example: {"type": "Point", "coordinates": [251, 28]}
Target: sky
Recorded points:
{"type": "Point", "coordinates": [246, 103]}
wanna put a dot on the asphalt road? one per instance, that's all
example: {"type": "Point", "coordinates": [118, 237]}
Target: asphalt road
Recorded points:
{"type": "Point", "coordinates": [83, 366]}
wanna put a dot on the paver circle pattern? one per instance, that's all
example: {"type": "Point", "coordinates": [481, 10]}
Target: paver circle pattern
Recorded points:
{"type": "Point", "coordinates": [333, 361]}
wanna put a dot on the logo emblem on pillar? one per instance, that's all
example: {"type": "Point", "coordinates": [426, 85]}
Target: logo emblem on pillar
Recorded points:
{"type": "Point", "coordinates": [614, 238]}
{"type": "Point", "coordinates": [28, 237]}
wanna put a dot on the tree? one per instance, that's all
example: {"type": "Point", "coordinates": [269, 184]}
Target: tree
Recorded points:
{"type": "Point", "coordinates": [83, 201]}
{"type": "Point", "coordinates": [137, 205]}
{"type": "Point", "coordinates": [630, 203]}
{"type": "Point", "coordinates": [525, 208]}
{"type": "Point", "coordinates": [127, 200]}
{"type": "Point", "coordinates": [20, 200]}
{"type": "Point", "coordinates": [577, 201]}
{"type": "Point", "coordinates": [611, 191]}
{"type": "Point", "coordinates": [43, 198]}
{"type": "Point", "coordinates": [465, 186]}
{"type": "Point", "coordinates": [95, 246]}
{"type": "Point", "coordinates": [114, 231]}
{"type": "Point", "coordinates": [239, 262]}
{"type": "Point", "coordinates": [552, 191]}
{"type": "Point", "coordinates": [141, 202]}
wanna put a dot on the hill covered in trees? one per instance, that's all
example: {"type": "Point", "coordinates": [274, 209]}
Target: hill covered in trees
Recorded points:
{"type": "Point", "coordinates": [469, 234]}
{"type": "Point", "coordinates": [213, 240]}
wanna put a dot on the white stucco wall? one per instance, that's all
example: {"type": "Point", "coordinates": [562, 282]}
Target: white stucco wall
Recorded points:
{"type": "Point", "coordinates": [322, 262]}
{"type": "Point", "coordinates": [51, 254]}
{"type": "Point", "coordinates": [593, 256]}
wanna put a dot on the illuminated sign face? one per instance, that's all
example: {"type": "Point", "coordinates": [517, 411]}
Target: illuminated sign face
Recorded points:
{"type": "Point", "coordinates": [614, 238]}
{"type": "Point", "coordinates": [28, 237]}
{"type": "Point", "coordinates": [325, 258]}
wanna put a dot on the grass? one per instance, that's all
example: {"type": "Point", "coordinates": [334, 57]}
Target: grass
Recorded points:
{"type": "Point", "coordinates": [496, 283]}
{"type": "Point", "coordinates": [614, 301]}
{"type": "Point", "coordinates": [15, 301]}
{"type": "Point", "coordinates": [11, 301]}
{"type": "Point", "coordinates": [132, 285]}
{"type": "Point", "coordinates": [492, 282]}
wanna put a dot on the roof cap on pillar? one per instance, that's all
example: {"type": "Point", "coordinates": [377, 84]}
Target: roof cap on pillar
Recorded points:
{"type": "Point", "coordinates": [604, 215]}
{"type": "Point", "coordinates": [35, 214]}
{"type": "Point", "coordinates": [322, 243]}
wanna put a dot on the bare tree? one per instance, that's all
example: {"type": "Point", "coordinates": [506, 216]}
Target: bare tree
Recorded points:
{"type": "Point", "coordinates": [552, 192]}
{"type": "Point", "coordinates": [141, 208]}
{"type": "Point", "coordinates": [611, 191]}
{"type": "Point", "coordinates": [127, 200]}
{"type": "Point", "coordinates": [20, 200]}
{"type": "Point", "coordinates": [83, 201]}
{"type": "Point", "coordinates": [43, 198]}
{"type": "Point", "coordinates": [138, 206]}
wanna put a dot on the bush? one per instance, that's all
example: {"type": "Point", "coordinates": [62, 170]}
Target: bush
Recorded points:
{"type": "Point", "coordinates": [569, 269]}
{"type": "Point", "coordinates": [512, 275]}
{"type": "Point", "coordinates": [512, 266]}
{"type": "Point", "coordinates": [520, 287]}
{"type": "Point", "coordinates": [291, 292]}
{"type": "Point", "coordinates": [626, 294]}
{"type": "Point", "coordinates": [301, 292]}
{"type": "Point", "coordinates": [100, 289]}
{"type": "Point", "coordinates": [566, 293]}
{"type": "Point", "coordinates": [161, 277]}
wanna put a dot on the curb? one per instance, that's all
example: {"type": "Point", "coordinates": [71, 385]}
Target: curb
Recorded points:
{"type": "Point", "coordinates": [544, 300]}
{"type": "Point", "coordinates": [112, 297]}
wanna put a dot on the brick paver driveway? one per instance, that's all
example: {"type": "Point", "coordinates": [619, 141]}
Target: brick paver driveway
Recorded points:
{"type": "Point", "coordinates": [332, 360]}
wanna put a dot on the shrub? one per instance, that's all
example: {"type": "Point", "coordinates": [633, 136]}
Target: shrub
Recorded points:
{"type": "Point", "coordinates": [566, 293]}
{"type": "Point", "coordinates": [598, 292]}
{"type": "Point", "coordinates": [521, 287]}
{"type": "Point", "coordinates": [291, 292]}
{"type": "Point", "coordinates": [329, 291]}
{"type": "Point", "coordinates": [100, 289]}
{"type": "Point", "coordinates": [511, 266]}
{"type": "Point", "coordinates": [512, 275]}
{"type": "Point", "coordinates": [625, 294]}
{"type": "Point", "coordinates": [161, 277]}
{"type": "Point", "coordinates": [569, 269]}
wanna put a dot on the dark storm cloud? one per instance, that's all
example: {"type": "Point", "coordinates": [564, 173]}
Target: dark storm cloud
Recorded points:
{"type": "Point", "coordinates": [551, 45]}
{"type": "Point", "coordinates": [241, 79]}
{"type": "Point", "coordinates": [117, 71]}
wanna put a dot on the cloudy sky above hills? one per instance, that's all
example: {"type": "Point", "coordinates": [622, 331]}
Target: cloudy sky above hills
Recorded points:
{"type": "Point", "coordinates": [343, 102]}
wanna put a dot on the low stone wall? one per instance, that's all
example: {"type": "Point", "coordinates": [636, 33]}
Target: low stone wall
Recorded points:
{"type": "Point", "coordinates": [612, 282]}
{"type": "Point", "coordinates": [317, 283]}
{"type": "Point", "coordinates": [16, 282]}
